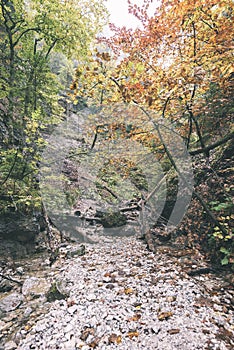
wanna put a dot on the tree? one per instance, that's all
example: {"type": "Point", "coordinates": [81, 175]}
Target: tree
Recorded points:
{"type": "Point", "coordinates": [29, 33]}
{"type": "Point", "coordinates": [179, 66]}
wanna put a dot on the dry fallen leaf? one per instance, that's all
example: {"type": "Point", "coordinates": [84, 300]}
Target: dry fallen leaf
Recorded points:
{"type": "Point", "coordinates": [165, 315]}
{"type": "Point", "coordinates": [132, 334]}
{"type": "Point", "coordinates": [134, 318]}
{"type": "Point", "coordinates": [94, 343]}
{"type": "Point", "coordinates": [170, 299]}
{"type": "Point", "coordinates": [173, 331]}
{"type": "Point", "coordinates": [114, 338]}
{"type": "Point", "coordinates": [107, 274]}
{"type": "Point", "coordinates": [128, 291]}
{"type": "Point", "coordinates": [86, 332]}
{"type": "Point", "coordinates": [27, 327]}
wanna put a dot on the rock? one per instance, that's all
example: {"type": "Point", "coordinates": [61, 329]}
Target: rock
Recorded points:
{"type": "Point", "coordinates": [72, 309]}
{"type": "Point", "coordinates": [2, 325]}
{"type": "Point", "coordinates": [10, 302]}
{"type": "Point", "coordinates": [13, 249]}
{"type": "Point", "coordinates": [106, 293]}
{"type": "Point", "coordinates": [18, 227]}
{"type": "Point", "coordinates": [40, 327]}
{"type": "Point", "coordinates": [28, 311]}
{"type": "Point", "coordinates": [35, 287]}
{"type": "Point", "coordinates": [11, 345]}
{"type": "Point", "coordinates": [69, 328]}
{"type": "Point", "coordinates": [20, 270]}
{"type": "Point", "coordinates": [57, 291]}
{"type": "Point", "coordinates": [112, 218]}
{"type": "Point", "coordinates": [217, 307]}
{"type": "Point", "coordinates": [77, 252]}
{"type": "Point", "coordinates": [70, 345]}
{"type": "Point", "coordinates": [91, 297]}
{"type": "Point", "coordinates": [5, 285]}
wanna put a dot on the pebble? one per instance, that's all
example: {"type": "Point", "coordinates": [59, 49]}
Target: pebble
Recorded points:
{"type": "Point", "coordinates": [120, 296]}
{"type": "Point", "coordinates": [11, 345]}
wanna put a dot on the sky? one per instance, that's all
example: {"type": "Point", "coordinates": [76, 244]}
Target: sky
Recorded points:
{"type": "Point", "coordinates": [119, 12]}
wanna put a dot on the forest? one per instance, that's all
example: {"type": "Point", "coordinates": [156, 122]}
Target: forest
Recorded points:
{"type": "Point", "coordinates": [158, 96]}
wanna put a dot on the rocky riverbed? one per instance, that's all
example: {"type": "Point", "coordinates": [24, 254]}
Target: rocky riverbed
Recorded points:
{"type": "Point", "coordinates": [115, 294]}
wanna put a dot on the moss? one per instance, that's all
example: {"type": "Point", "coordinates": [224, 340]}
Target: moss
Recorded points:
{"type": "Point", "coordinates": [54, 294]}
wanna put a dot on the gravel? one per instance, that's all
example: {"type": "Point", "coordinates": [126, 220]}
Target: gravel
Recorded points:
{"type": "Point", "coordinates": [121, 296]}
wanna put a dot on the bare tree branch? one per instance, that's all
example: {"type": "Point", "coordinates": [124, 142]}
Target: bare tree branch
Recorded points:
{"type": "Point", "coordinates": [213, 145]}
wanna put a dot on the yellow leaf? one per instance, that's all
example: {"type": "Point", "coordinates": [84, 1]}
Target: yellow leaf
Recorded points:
{"type": "Point", "coordinates": [165, 315]}
{"type": "Point", "coordinates": [132, 334]}
{"type": "Point", "coordinates": [128, 291]}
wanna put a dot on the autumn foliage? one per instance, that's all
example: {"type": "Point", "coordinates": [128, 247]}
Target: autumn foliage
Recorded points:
{"type": "Point", "coordinates": [179, 65]}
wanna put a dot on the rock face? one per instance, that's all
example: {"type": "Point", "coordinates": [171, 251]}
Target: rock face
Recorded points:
{"type": "Point", "coordinates": [14, 249]}
{"type": "Point", "coordinates": [17, 234]}
{"type": "Point", "coordinates": [17, 227]}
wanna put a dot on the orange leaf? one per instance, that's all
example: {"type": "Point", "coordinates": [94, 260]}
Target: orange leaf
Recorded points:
{"type": "Point", "coordinates": [165, 315]}
{"type": "Point", "coordinates": [132, 334]}
{"type": "Point", "coordinates": [128, 291]}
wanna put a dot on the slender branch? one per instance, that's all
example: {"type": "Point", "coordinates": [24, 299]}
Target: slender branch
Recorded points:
{"type": "Point", "coordinates": [11, 169]}
{"type": "Point", "coordinates": [51, 48]}
{"type": "Point", "coordinates": [101, 184]}
{"type": "Point", "coordinates": [189, 133]}
{"type": "Point", "coordinates": [192, 117]}
{"type": "Point", "coordinates": [213, 145]}
{"type": "Point", "coordinates": [23, 33]}
{"type": "Point", "coordinates": [165, 106]}
{"type": "Point", "coordinates": [94, 140]}
{"type": "Point", "coordinates": [209, 212]}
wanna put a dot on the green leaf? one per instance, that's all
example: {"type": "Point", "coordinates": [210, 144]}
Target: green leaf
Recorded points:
{"type": "Point", "coordinates": [225, 260]}
{"type": "Point", "coordinates": [224, 250]}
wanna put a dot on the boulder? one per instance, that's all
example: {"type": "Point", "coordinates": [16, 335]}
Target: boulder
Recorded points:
{"type": "Point", "coordinates": [35, 287]}
{"type": "Point", "coordinates": [10, 302]}
{"type": "Point", "coordinates": [112, 218]}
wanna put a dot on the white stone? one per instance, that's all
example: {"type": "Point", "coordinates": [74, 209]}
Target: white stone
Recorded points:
{"type": "Point", "coordinates": [11, 345]}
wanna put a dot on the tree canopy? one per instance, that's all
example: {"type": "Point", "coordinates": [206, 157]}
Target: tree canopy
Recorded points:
{"type": "Point", "coordinates": [30, 31]}
{"type": "Point", "coordinates": [176, 69]}
{"type": "Point", "coordinates": [178, 66]}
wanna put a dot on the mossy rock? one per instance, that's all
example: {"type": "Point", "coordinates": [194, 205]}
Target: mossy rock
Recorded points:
{"type": "Point", "coordinates": [112, 218]}
{"type": "Point", "coordinates": [55, 293]}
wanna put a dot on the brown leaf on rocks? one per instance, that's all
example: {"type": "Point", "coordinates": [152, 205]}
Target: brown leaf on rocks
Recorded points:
{"type": "Point", "coordinates": [224, 334]}
{"type": "Point", "coordinates": [94, 342]}
{"type": "Point", "coordinates": [107, 274]}
{"type": "Point", "coordinates": [132, 334]}
{"type": "Point", "coordinates": [173, 331]}
{"type": "Point", "coordinates": [114, 338]}
{"type": "Point", "coordinates": [164, 315]}
{"type": "Point", "coordinates": [201, 301]}
{"type": "Point", "coordinates": [86, 332]}
{"type": "Point", "coordinates": [27, 327]}
{"type": "Point", "coordinates": [128, 291]}
{"type": "Point", "coordinates": [134, 318]}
